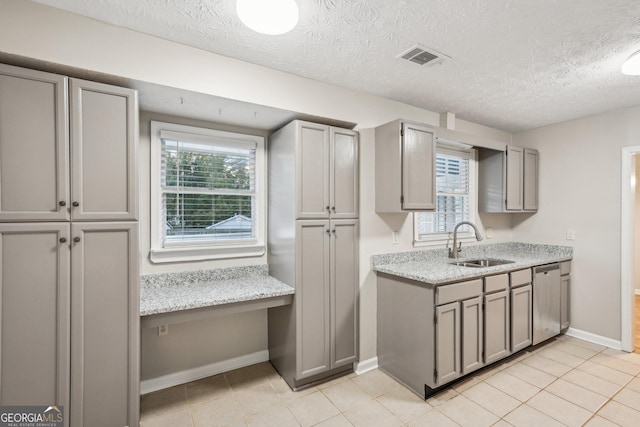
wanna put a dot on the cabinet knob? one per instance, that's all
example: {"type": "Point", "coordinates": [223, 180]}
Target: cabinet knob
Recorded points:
{"type": "Point", "coordinates": [75, 204]}
{"type": "Point", "coordinates": [76, 239]}
{"type": "Point", "coordinates": [328, 232]}
{"type": "Point", "coordinates": [333, 208]}
{"type": "Point", "coordinates": [63, 240]}
{"type": "Point", "coordinates": [62, 203]}
{"type": "Point", "coordinates": [328, 208]}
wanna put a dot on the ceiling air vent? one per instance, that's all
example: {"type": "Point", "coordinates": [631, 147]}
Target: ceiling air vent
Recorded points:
{"type": "Point", "coordinates": [423, 56]}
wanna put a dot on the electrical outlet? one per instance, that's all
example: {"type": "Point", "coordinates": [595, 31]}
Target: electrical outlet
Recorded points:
{"type": "Point", "coordinates": [571, 234]}
{"type": "Point", "coordinates": [163, 330]}
{"type": "Point", "coordinates": [395, 238]}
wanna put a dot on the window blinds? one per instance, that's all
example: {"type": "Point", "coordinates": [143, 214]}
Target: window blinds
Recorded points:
{"type": "Point", "coordinates": [208, 188]}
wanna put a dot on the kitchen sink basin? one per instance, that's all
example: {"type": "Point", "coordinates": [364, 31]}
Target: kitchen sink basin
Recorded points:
{"type": "Point", "coordinates": [479, 263]}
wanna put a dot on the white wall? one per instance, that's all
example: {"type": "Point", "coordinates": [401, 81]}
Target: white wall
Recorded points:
{"type": "Point", "coordinates": [45, 34]}
{"type": "Point", "coordinates": [580, 172]}
{"type": "Point", "coordinates": [636, 163]}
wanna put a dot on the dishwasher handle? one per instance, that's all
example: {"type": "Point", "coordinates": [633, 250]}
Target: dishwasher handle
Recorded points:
{"type": "Point", "coordinates": [546, 268]}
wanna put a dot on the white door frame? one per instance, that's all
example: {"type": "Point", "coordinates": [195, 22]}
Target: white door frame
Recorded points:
{"type": "Point", "coordinates": [627, 244]}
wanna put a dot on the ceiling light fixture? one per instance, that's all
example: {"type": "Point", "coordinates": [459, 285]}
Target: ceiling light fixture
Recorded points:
{"type": "Point", "coordinates": [270, 17]}
{"type": "Point", "coordinates": [631, 66]}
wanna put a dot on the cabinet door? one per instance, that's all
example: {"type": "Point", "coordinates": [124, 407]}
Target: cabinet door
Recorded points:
{"type": "Point", "coordinates": [105, 325]}
{"type": "Point", "coordinates": [530, 179]}
{"type": "Point", "coordinates": [418, 165]}
{"type": "Point", "coordinates": [564, 302]}
{"type": "Point", "coordinates": [312, 298]}
{"type": "Point", "coordinates": [344, 291]}
{"type": "Point", "coordinates": [104, 139]}
{"type": "Point", "coordinates": [312, 171]}
{"type": "Point", "coordinates": [521, 317]}
{"type": "Point", "coordinates": [34, 146]}
{"type": "Point", "coordinates": [497, 335]}
{"type": "Point", "coordinates": [472, 334]}
{"type": "Point", "coordinates": [34, 304]}
{"type": "Point", "coordinates": [344, 173]}
{"type": "Point", "coordinates": [447, 343]}
{"type": "Point", "coordinates": [514, 174]}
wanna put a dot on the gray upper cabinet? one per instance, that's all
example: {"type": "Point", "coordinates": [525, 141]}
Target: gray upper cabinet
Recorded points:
{"type": "Point", "coordinates": [326, 171]}
{"type": "Point", "coordinates": [508, 180]}
{"type": "Point", "coordinates": [514, 181]}
{"type": "Point", "coordinates": [34, 146]}
{"type": "Point", "coordinates": [405, 167]}
{"type": "Point", "coordinates": [530, 180]}
{"type": "Point", "coordinates": [104, 127]}
{"type": "Point", "coordinates": [34, 308]}
{"type": "Point", "coordinates": [66, 153]}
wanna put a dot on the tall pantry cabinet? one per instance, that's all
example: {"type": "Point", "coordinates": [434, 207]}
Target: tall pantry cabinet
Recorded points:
{"type": "Point", "coordinates": [313, 246]}
{"type": "Point", "coordinates": [69, 297]}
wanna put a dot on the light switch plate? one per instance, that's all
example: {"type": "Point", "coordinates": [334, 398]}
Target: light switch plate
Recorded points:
{"type": "Point", "coordinates": [163, 330]}
{"type": "Point", "coordinates": [571, 234]}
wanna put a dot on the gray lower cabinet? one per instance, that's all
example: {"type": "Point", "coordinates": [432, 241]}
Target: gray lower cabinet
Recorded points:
{"type": "Point", "coordinates": [429, 336]}
{"type": "Point", "coordinates": [105, 324]}
{"type": "Point", "coordinates": [521, 286]}
{"type": "Point", "coordinates": [497, 326]}
{"type": "Point", "coordinates": [70, 326]}
{"type": "Point", "coordinates": [34, 308]}
{"type": "Point", "coordinates": [565, 285]}
{"type": "Point", "coordinates": [316, 336]}
{"type": "Point", "coordinates": [458, 324]}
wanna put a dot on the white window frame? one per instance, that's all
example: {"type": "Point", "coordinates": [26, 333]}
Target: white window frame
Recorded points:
{"type": "Point", "coordinates": [172, 252]}
{"type": "Point", "coordinates": [440, 239]}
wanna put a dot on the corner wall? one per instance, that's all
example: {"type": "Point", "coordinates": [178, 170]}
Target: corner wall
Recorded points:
{"type": "Point", "coordinates": [580, 174]}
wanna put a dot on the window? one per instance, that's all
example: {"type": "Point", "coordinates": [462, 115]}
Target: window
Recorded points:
{"type": "Point", "coordinates": [207, 193]}
{"type": "Point", "coordinates": [455, 198]}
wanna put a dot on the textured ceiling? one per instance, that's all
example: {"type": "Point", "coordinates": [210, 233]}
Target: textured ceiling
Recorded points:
{"type": "Point", "coordinates": [516, 64]}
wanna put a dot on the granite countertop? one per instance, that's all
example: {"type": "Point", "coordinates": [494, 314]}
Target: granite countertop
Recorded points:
{"type": "Point", "coordinates": [433, 267]}
{"type": "Point", "coordinates": [170, 292]}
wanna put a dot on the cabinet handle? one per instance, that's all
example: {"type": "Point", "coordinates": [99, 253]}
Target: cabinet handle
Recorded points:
{"type": "Point", "coordinates": [75, 204]}
{"type": "Point", "coordinates": [62, 203]}
{"type": "Point", "coordinates": [76, 239]}
{"type": "Point", "coordinates": [63, 240]}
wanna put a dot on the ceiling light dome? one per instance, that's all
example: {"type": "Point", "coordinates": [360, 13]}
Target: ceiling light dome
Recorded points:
{"type": "Point", "coordinates": [631, 66]}
{"type": "Point", "coordinates": [271, 17]}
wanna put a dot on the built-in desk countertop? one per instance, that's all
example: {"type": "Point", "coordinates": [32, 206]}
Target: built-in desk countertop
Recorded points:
{"type": "Point", "coordinates": [167, 298]}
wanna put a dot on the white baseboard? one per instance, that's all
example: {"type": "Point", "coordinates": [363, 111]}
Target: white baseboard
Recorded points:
{"type": "Point", "coordinates": [597, 339]}
{"type": "Point", "coordinates": [366, 365]}
{"type": "Point", "coordinates": [177, 378]}
{"type": "Point", "coordinates": [637, 291]}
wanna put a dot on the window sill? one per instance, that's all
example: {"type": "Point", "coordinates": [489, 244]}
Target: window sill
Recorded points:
{"type": "Point", "coordinates": [163, 255]}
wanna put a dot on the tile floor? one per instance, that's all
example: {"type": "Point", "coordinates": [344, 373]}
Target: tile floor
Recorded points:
{"type": "Point", "coordinates": [565, 382]}
{"type": "Point", "coordinates": [637, 325]}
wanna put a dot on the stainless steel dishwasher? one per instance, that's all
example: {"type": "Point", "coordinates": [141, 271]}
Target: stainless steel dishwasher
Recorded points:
{"type": "Point", "coordinates": [546, 302]}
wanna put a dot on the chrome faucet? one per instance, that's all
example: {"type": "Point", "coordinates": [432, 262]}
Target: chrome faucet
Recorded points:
{"type": "Point", "coordinates": [453, 252]}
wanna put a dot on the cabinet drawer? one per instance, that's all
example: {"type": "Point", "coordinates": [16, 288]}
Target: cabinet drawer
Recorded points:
{"type": "Point", "coordinates": [520, 277]}
{"type": "Point", "coordinates": [458, 291]}
{"type": "Point", "coordinates": [565, 268]}
{"type": "Point", "coordinates": [496, 283]}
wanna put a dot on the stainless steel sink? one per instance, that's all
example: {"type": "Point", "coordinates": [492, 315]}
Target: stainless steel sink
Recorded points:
{"type": "Point", "coordinates": [479, 263]}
